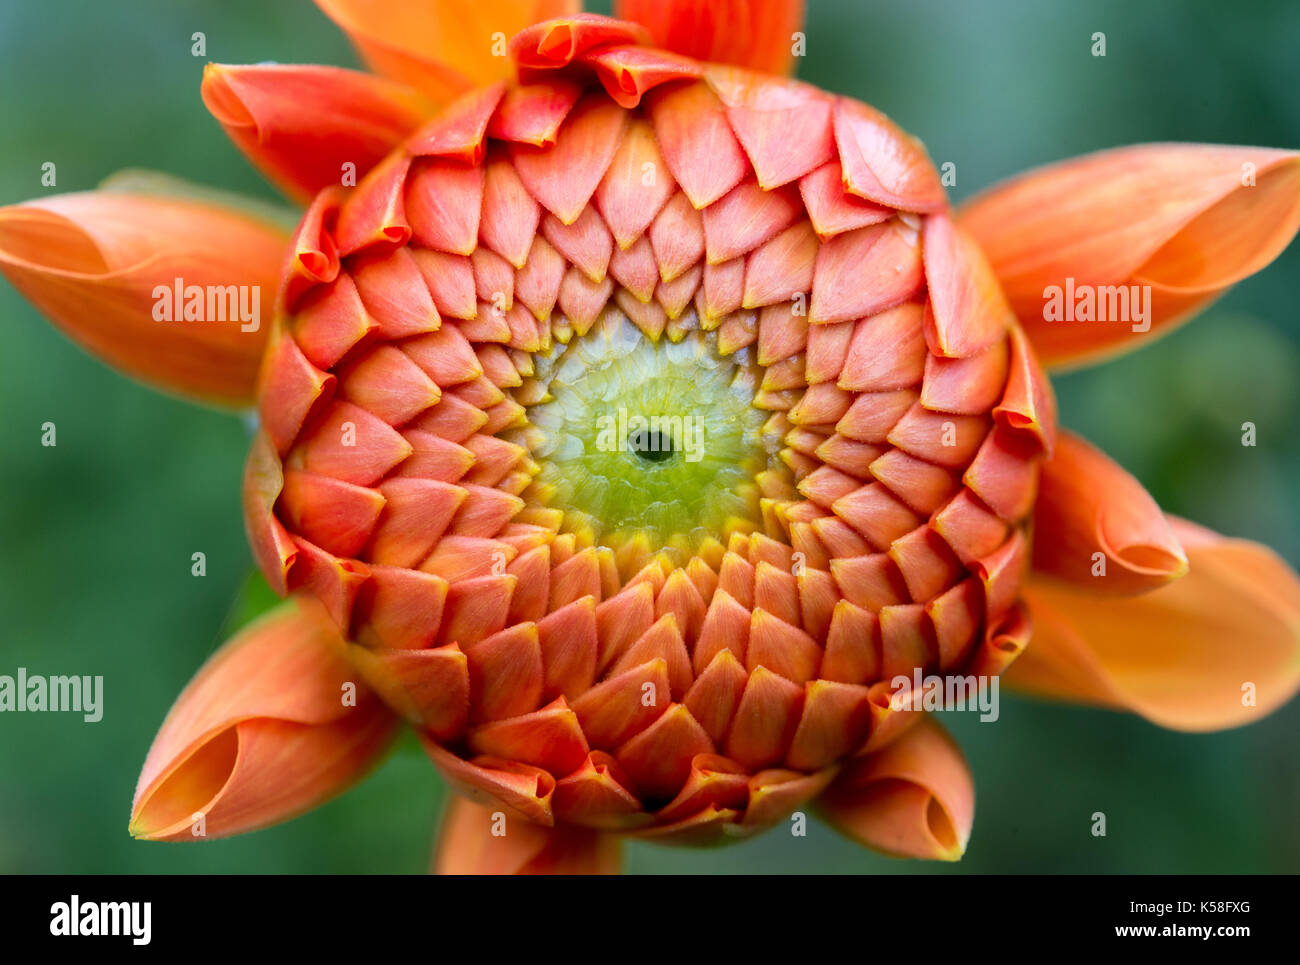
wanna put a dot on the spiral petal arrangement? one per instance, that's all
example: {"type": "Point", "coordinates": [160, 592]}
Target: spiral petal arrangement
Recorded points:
{"type": "Point", "coordinates": [585, 635]}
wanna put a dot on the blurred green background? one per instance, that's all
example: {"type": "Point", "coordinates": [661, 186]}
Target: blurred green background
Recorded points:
{"type": "Point", "coordinates": [98, 532]}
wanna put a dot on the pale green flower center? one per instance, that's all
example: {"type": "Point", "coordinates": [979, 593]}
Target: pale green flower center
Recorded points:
{"type": "Point", "coordinates": [653, 439]}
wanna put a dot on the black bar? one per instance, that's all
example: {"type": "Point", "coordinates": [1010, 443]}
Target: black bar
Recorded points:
{"type": "Point", "coordinates": [241, 914]}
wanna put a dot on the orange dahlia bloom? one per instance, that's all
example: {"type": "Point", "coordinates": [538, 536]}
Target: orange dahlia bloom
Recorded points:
{"type": "Point", "coordinates": [639, 423]}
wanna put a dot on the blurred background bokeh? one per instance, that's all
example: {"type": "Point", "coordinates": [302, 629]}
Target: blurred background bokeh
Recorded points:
{"type": "Point", "coordinates": [97, 533]}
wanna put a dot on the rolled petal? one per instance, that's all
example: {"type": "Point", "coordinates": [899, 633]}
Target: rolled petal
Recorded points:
{"type": "Point", "coordinates": [912, 799]}
{"type": "Point", "coordinates": [124, 275]}
{"type": "Point", "coordinates": [749, 33]}
{"type": "Point", "coordinates": [1096, 526]}
{"type": "Point", "coordinates": [1181, 222]}
{"type": "Point", "coordinates": [441, 47]}
{"type": "Point", "coordinates": [482, 840]}
{"type": "Point", "coordinates": [301, 124]}
{"type": "Point", "coordinates": [273, 725]}
{"type": "Point", "coordinates": [1218, 648]}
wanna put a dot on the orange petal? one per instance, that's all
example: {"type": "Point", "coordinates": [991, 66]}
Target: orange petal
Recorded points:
{"type": "Point", "coordinates": [741, 32]}
{"type": "Point", "coordinates": [272, 545]}
{"type": "Point", "coordinates": [783, 125]}
{"type": "Point", "coordinates": [912, 799]}
{"type": "Point", "coordinates": [300, 124]}
{"type": "Point", "coordinates": [697, 141]}
{"type": "Point", "coordinates": [1096, 526]}
{"type": "Point", "coordinates": [485, 840]}
{"type": "Point", "coordinates": [459, 131]}
{"type": "Point", "coordinates": [559, 42]}
{"type": "Point", "coordinates": [442, 48]}
{"type": "Point", "coordinates": [564, 176]}
{"type": "Point", "coordinates": [967, 311]}
{"type": "Point", "coordinates": [103, 265]}
{"type": "Point", "coordinates": [882, 163]}
{"type": "Point", "coordinates": [521, 788]}
{"type": "Point", "coordinates": [1187, 220]}
{"type": "Point", "coordinates": [1218, 648]}
{"type": "Point", "coordinates": [265, 731]}
{"type": "Point", "coordinates": [627, 71]}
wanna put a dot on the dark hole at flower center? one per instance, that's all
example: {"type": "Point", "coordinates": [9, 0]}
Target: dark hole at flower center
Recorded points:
{"type": "Point", "coordinates": [651, 445]}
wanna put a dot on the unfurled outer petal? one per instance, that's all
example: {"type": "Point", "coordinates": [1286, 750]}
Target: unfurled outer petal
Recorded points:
{"type": "Point", "coordinates": [749, 33]}
{"type": "Point", "coordinates": [1096, 526]}
{"type": "Point", "coordinates": [300, 124]}
{"type": "Point", "coordinates": [441, 47]}
{"type": "Point", "coordinates": [479, 840]}
{"type": "Point", "coordinates": [912, 799]}
{"type": "Point", "coordinates": [1218, 648]}
{"type": "Point", "coordinates": [105, 266]}
{"type": "Point", "coordinates": [1182, 221]}
{"type": "Point", "coordinates": [273, 725]}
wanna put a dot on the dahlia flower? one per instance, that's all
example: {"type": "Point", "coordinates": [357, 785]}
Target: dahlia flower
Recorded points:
{"type": "Point", "coordinates": [635, 422]}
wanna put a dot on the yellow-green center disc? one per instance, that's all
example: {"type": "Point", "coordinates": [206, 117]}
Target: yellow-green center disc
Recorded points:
{"type": "Point", "coordinates": [657, 440]}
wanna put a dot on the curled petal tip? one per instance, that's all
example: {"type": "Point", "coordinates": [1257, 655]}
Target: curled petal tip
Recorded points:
{"type": "Point", "coordinates": [1096, 526]}
{"type": "Point", "coordinates": [273, 725]}
{"type": "Point", "coordinates": [912, 799]}
{"type": "Point", "coordinates": [1160, 558]}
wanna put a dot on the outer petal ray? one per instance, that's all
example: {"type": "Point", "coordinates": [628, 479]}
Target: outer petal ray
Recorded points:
{"type": "Point", "coordinates": [301, 124]}
{"type": "Point", "coordinates": [262, 733]}
{"type": "Point", "coordinates": [759, 35]}
{"type": "Point", "coordinates": [1218, 648]}
{"type": "Point", "coordinates": [1188, 220]}
{"type": "Point", "coordinates": [96, 264]}
{"type": "Point", "coordinates": [443, 48]}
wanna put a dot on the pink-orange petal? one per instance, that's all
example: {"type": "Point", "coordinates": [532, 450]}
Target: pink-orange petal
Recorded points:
{"type": "Point", "coordinates": [913, 799]}
{"type": "Point", "coordinates": [261, 734]}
